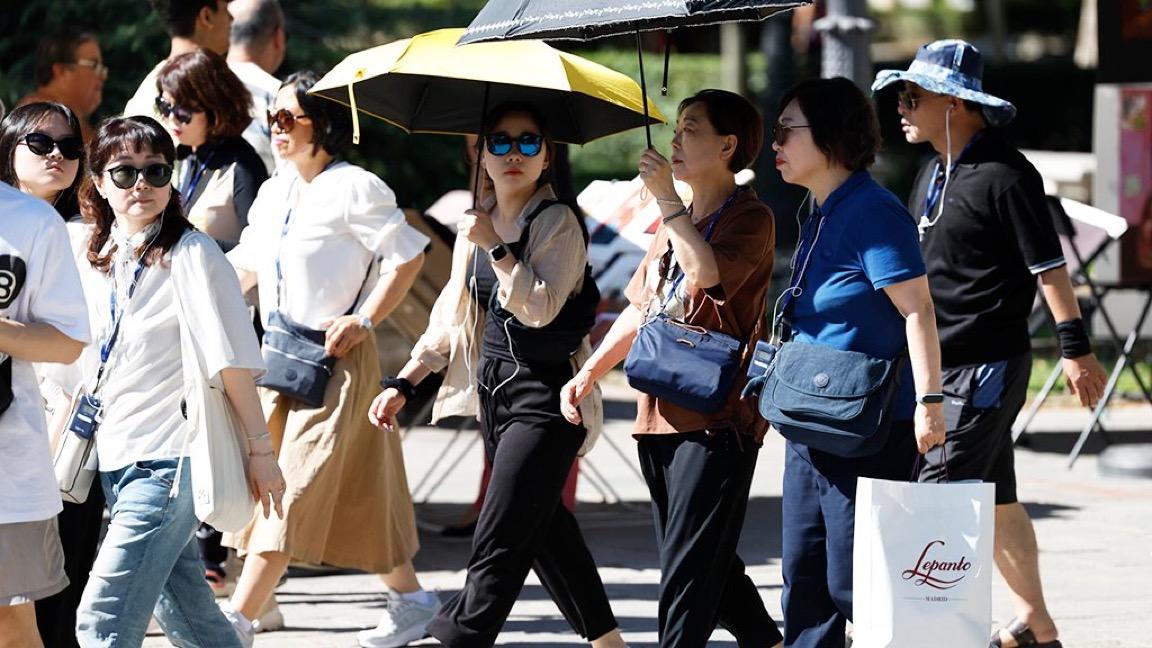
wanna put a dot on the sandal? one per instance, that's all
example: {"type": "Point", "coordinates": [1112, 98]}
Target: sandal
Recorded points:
{"type": "Point", "coordinates": [1023, 636]}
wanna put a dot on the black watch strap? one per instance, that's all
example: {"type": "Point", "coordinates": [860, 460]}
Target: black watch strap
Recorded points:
{"type": "Point", "coordinates": [930, 399]}
{"type": "Point", "coordinates": [402, 385]}
{"type": "Point", "coordinates": [498, 252]}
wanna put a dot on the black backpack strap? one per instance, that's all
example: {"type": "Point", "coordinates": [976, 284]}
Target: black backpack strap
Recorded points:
{"type": "Point", "coordinates": [544, 204]}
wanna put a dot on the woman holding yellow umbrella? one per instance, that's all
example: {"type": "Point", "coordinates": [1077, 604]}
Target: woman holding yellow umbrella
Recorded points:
{"type": "Point", "coordinates": [509, 329]}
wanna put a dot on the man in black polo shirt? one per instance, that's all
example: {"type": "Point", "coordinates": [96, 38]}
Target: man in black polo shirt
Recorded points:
{"type": "Point", "coordinates": [987, 235]}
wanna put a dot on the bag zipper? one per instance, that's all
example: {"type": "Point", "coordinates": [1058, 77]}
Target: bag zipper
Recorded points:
{"type": "Point", "coordinates": [296, 357]}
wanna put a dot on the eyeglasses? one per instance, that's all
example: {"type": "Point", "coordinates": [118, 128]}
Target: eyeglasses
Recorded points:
{"type": "Point", "coordinates": [284, 119]}
{"type": "Point", "coordinates": [166, 110]}
{"type": "Point", "coordinates": [158, 175]}
{"type": "Point", "coordinates": [529, 144]}
{"type": "Point", "coordinates": [70, 147]}
{"type": "Point", "coordinates": [909, 101]}
{"type": "Point", "coordinates": [98, 68]}
{"type": "Point", "coordinates": [780, 132]}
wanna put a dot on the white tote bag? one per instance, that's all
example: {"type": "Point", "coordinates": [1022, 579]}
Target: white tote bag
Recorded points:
{"type": "Point", "coordinates": [922, 564]}
{"type": "Point", "coordinates": [219, 474]}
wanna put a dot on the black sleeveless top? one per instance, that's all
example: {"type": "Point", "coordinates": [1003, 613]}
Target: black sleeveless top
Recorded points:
{"type": "Point", "coordinates": [506, 338]}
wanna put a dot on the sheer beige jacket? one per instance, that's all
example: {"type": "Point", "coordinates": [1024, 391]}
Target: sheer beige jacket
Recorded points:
{"type": "Point", "coordinates": [551, 271]}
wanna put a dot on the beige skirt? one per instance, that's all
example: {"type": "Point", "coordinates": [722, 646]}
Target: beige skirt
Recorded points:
{"type": "Point", "coordinates": [347, 502]}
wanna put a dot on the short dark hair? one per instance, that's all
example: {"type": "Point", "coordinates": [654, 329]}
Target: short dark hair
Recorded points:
{"type": "Point", "coordinates": [179, 16]}
{"type": "Point", "coordinates": [841, 120]}
{"type": "Point", "coordinates": [331, 122]}
{"type": "Point", "coordinates": [24, 120]}
{"type": "Point", "coordinates": [732, 114]}
{"type": "Point", "coordinates": [58, 48]}
{"type": "Point", "coordinates": [114, 135]}
{"type": "Point", "coordinates": [257, 27]}
{"type": "Point", "coordinates": [202, 80]}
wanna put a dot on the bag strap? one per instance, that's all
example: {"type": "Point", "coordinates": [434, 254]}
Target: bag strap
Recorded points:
{"type": "Point", "coordinates": [524, 233]}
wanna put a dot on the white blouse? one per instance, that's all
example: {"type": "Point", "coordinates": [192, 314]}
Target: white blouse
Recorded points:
{"type": "Point", "coordinates": [343, 220]}
{"type": "Point", "coordinates": [143, 382]}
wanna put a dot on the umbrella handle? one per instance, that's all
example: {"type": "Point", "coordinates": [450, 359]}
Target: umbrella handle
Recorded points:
{"type": "Point", "coordinates": [355, 114]}
{"type": "Point", "coordinates": [667, 53]}
{"type": "Point", "coordinates": [643, 91]}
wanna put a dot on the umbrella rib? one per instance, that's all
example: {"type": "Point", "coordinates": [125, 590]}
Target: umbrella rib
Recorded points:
{"type": "Point", "coordinates": [419, 104]}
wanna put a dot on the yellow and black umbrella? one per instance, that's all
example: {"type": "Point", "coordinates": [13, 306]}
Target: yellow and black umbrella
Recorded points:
{"type": "Point", "coordinates": [426, 84]}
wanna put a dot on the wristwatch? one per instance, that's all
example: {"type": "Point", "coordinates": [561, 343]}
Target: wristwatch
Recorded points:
{"type": "Point", "coordinates": [498, 252]}
{"type": "Point", "coordinates": [365, 321]}
{"type": "Point", "coordinates": [930, 399]}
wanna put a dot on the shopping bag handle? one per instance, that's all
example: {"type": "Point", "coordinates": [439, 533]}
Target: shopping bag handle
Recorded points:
{"type": "Point", "coordinates": [920, 459]}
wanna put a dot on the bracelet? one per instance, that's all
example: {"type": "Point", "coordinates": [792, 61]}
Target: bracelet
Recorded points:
{"type": "Point", "coordinates": [260, 454]}
{"type": "Point", "coordinates": [260, 437]}
{"type": "Point", "coordinates": [402, 385]}
{"type": "Point", "coordinates": [683, 211]}
{"type": "Point", "coordinates": [1073, 336]}
{"type": "Point", "coordinates": [670, 201]}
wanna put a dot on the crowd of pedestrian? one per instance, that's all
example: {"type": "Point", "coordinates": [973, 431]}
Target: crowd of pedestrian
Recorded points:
{"type": "Point", "coordinates": [221, 192]}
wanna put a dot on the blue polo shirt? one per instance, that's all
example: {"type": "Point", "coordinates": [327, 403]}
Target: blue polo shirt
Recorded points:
{"type": "Point", "coordinates": [867, 241]}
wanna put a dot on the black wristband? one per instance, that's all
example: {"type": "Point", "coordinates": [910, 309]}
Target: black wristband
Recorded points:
{"type": "Point", "coordinates": [402, 385]}
{"type": "Point", "coordinates": [1073, 336]}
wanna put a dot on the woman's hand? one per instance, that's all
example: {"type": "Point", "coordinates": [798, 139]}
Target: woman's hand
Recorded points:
{"type": "Point", "coordinates": [476, 226]}
{"type": "Point", "coordinates": [342, 334]}
{"type": "Point", "coordinates": [573, 392]}
{"type": "Point", "coordinates": [929, 426]}
{"type": "Point", "coordinates": [385, 408]}
{"type": "Point", "coordinates": [656, 172]}
{"type": "Point", "coordinates": [266, 482]}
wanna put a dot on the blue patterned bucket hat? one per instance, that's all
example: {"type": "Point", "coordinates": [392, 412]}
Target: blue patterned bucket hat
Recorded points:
{"type": "Point", "coordinates": [951, 67]}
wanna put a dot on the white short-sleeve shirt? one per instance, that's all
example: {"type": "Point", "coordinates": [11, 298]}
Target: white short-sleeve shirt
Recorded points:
{"type": "Point", "coordinates": [143, 382]}
{"type": "Point", "coordinates": [342, 220]}
{"type": "Point", "coordinates": [38, 283]}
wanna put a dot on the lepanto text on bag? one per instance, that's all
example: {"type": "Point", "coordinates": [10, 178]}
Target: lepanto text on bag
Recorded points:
{"type": "Point", "coordinates": [939, 574]}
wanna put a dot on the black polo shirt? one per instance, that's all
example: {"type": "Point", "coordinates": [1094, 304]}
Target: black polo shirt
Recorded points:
{"type": "Point", "coordinates": [983, 254]}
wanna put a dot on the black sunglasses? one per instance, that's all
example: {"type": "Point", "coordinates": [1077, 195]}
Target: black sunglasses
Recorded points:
{"type": "Point", "coordinates": [529, 144]}
{"type": "Point", "coordinates": [284, 119]}
{"type": "Point", "coordinates": [158, 175]}
{"type": "Point", "coordinates": [71, 147]}
{"type": "Point", "coordinates": [166, 110]}
{"type": "Point", "coordinates": [780, 132]}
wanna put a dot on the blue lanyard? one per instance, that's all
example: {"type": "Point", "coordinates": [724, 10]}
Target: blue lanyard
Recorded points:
{"type": "Point", "coordinates": [106, 346]}
{"type": "Point", "coordinates": [936, 184]}
{"type": "Point", "coordinates": [192, 180]}
{"type": "Point", "coordinates": [280, 248]}
{"type": "Point", "coordinates": [707, 236]}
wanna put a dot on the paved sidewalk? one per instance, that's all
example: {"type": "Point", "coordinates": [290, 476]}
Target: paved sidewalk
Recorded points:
{"type": "Point", "coordinates": [1095, 535]}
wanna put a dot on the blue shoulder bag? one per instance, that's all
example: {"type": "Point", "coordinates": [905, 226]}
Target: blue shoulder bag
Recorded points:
{"type": "Point", "coordinates": [839, 402]}
{"type": "Point", "coordinates": [684, 364]}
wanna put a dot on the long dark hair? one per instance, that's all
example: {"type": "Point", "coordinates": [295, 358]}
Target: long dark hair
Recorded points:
{"type": "Point", "coordinates": [112, 137]}
{"type": "Point", "coordinates": [23, 121]}
{"type": "Point", "coordinates": [559, 171]}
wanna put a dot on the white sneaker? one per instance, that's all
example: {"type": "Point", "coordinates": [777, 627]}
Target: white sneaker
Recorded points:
{"type": "Point", "coordinates": [270, 619]}
{"type": "Point", "coordinates": [403, 622]}
{"type": "Point", "coordinates": [240, 624]}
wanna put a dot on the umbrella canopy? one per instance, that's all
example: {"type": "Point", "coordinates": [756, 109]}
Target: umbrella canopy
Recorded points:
{"type": "Point", "coordinates": [426, 84]}
{"type": "Point", "coordinates": [589, 19]}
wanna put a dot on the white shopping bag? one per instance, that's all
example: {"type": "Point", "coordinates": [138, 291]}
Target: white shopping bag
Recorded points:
{"type": "Point", "coordinates": [922, 564]}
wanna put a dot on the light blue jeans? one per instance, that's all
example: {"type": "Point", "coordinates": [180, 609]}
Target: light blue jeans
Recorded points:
{"type": "Point", "coordinates": [149, 564]}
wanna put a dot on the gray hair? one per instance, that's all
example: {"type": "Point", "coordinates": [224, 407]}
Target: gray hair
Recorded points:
{"type": "Point", "coordinates": [254, 28]}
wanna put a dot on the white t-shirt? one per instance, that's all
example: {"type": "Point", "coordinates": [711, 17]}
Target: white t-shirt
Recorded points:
{"type": "Point", "coordinates": [342, 220]}
{"type": "Point", "coordinates": [143, 382]}
{"type": "Point", "coordinates": [143, 102]}
{"type": "Point", "coordinates": [38, 283]}
{"type": "Point", "coordinates": [263, 88]}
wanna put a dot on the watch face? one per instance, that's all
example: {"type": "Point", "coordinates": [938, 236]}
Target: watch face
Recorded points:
{"type": "Point", "coordinates": [498, 252]}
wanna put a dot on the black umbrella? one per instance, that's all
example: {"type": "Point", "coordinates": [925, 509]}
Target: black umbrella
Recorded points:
{"type": "Point", "coordinates": [589, 19]}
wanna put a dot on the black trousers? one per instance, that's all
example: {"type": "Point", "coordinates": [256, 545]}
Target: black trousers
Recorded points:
{"type": "Point", "coordinates": [699, 482]}
{"type": "Point", "coordinates": [522, 524]}
{"type": "Point", "coordinates": [79, 537]}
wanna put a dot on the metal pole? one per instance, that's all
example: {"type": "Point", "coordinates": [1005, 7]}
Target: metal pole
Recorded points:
{"type": "Point", "coordinates": [847, 31]}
